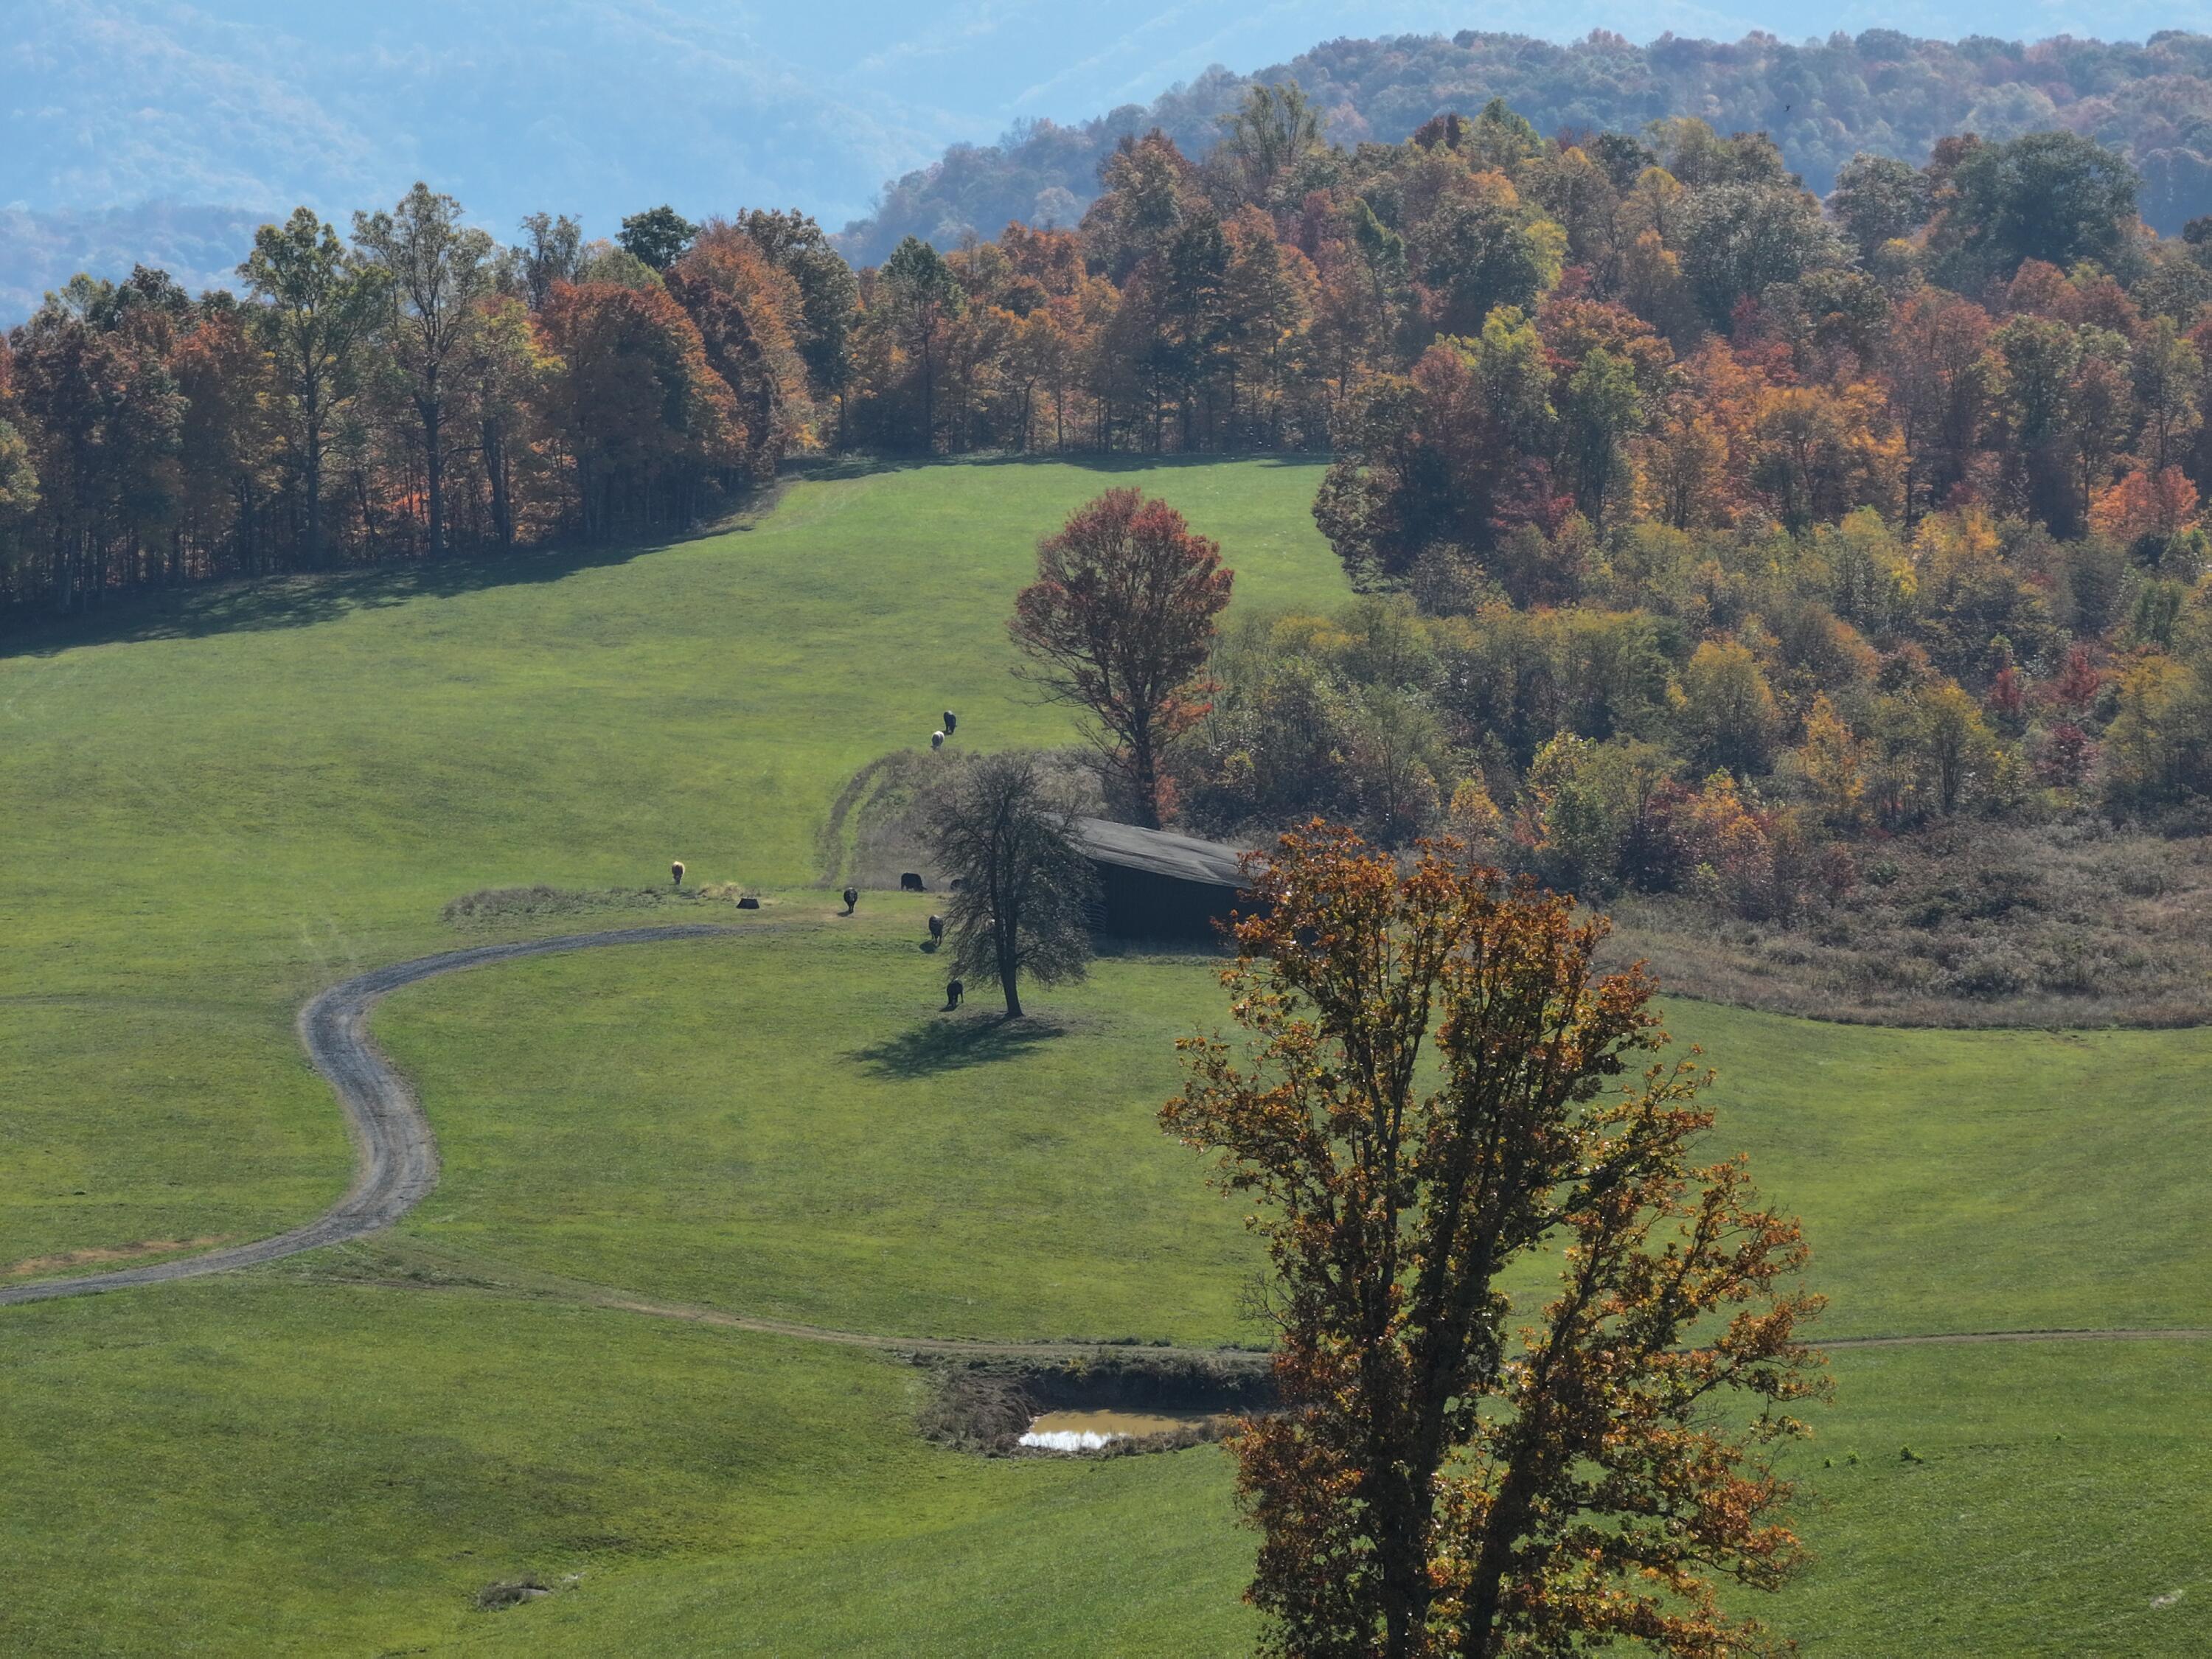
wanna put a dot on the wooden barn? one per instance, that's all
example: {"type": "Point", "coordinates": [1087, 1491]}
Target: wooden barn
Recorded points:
{"type": "Point", "coordinates": [1153, 884]}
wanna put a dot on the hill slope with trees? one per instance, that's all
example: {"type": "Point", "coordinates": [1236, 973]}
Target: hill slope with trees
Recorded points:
{"type": "Point", "coordinates": [1820, 101]}
{"type": "Point", "coordinates": [1716, 538]}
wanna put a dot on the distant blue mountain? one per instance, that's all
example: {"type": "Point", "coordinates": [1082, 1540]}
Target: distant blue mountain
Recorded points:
{"type": "Point", "coordinates": [200, 247]}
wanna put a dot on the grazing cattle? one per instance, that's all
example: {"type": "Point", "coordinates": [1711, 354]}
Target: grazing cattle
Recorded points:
{"type": "Point", "coordinates": [852, 898]}
{"type": "Point", "coordinates": [937, 740]}
{"type": "Point", "coordinates": [937, 930]}
{"type": "Point", "coordinates": [676, 870]}
{"type": "Point", "coordinates": [954, 990]}
{"type": "Point", "coordinates": [952, 722]}
{"type": "Point", "coordinates": [911, 882]}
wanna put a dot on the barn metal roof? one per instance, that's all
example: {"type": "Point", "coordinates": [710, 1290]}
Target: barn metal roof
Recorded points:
{"type": "Point", "coordinates": [1161, 852]}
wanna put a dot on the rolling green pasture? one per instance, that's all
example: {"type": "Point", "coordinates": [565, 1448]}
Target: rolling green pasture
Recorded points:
{"type": "Point", "coordinates": [275, 1465]}
{"type": "Point", "coordinates": [268, 1466]}
{"type": "Point", "coordinates": [213, 806]}
{"type": "Point", "coordinates": [780, 1124]}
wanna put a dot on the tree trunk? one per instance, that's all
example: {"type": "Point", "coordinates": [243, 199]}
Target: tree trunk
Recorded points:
{"type": "Point", "coordinates": [434, 467]}
{"type": "Point", "coordinates": [1002, 938]}
{"type": "Point", "coordinates": [1145, 773]}
{"type": "Point", "coordinates": [502, 510]}
{"type": "Point", "coordinates": [314, 483]}
{"type": "Point", "coordinates": [928, 400]}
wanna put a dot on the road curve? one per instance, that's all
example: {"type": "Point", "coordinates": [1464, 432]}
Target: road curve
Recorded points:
{"type": "Point", "coordinates": [398, 1154]}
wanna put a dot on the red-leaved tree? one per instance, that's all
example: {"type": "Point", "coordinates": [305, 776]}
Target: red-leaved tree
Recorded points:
{"type": "Point", "coordinates": [1119, 622]}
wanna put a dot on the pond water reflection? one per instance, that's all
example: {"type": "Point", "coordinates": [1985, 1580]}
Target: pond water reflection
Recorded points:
{"type": "Point", "coordinates": [1088, 1431]}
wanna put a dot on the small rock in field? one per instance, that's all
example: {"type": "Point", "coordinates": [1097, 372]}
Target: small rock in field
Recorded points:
{"type": "Point", "coordinates": [494, 1597]}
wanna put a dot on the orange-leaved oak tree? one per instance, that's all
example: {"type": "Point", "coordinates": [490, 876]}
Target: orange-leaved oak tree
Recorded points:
{"type": "Point", "coordinates": [1434, 1091]}
{"type": "Point", "coordinates": [1120, 621]}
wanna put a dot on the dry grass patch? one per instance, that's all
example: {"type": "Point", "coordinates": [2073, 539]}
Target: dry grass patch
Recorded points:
{"type": "Point", "coordinates": [66, 1259]}
{"type": "Point", "coordinates": [1971, 924]}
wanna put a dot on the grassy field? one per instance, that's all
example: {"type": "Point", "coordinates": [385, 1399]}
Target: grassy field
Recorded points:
{"type": "Point", "coordinates": [277, 1467]}
{"type": "Point", "coordinates": [779, 1124]}
{"type": "Point", "coordinates": [213, 806]}
{"type": "Point", "coordinates": [210, 808]}
{"type": "Point", "coordinates": [283, 1465]}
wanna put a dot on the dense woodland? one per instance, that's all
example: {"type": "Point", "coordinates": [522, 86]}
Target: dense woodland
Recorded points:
{"type": "Point", "coordinates": [1822, 101]}
{"type": "Point", "coordinates": [1710, 531]}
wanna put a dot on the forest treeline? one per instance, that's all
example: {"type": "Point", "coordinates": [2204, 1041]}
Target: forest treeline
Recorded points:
{"type": "Point", "coordinates": [1822, 102]}
{"type": "Point", "coordinates": [1674, 480]}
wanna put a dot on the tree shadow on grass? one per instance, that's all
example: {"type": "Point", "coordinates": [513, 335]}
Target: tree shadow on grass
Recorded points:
{"type": "Point", "coordinates": [305, 598]}
{"type": "Point", "coordinates": [247, 604]}
{"type": "Point", "coordinates": [863, 465]}
{"type": "Point", "coordinates": [949, 1043]}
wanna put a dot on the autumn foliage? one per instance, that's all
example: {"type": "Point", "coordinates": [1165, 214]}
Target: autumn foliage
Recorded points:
{"type": "Point", "coordinates": [1119, 622]}
{"type": "Point", "coordinates": [1666, 450]}
{"type": "Point", "coordinates": [1435, 1089]}
{"type": "Point", "coordinates": [1517, 347]}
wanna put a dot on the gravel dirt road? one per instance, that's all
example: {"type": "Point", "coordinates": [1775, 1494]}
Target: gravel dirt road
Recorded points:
{"type": "Point", "coordinates": [399, 1155]}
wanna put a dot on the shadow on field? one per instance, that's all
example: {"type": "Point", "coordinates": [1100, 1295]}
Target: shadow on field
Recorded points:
{"type": "Point", "coordinates": [262, 604]}
{"type": "Point", "coordinates": [862, 466]}
{"type": "Point", "coordinates": [265, 604]}
{"type": "Point", "coordinates": [947, 1045]}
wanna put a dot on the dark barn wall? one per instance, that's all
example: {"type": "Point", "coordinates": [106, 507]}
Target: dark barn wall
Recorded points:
{"type": "Point", "coordinates": [1142, 904]}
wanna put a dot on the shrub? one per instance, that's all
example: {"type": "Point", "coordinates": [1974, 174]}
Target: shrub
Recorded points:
{"type": "Point", "coordinates": [1989, 972]}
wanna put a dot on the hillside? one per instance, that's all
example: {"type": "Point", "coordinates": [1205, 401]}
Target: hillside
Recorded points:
{"type": "Point", "coordinates": [216, 117]}
{"type": "Point", "coordinates": [1820, 101]}
{"type": "Point", "coordinates": [340, 1452]}
{"type": "Point", "coordinates": [575, 1077]}
{"type": "Point", "coordinates": [39, 252]}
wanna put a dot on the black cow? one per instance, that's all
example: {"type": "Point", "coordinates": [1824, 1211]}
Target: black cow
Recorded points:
{"type": "Point", "coordinates": [852, 898]}
{"type": "Point", "coordinates": [911, 882]}
{"type": "Point", "coordinates": [954, 990]}
{"type": "Point", "coordinates": [937, 930]}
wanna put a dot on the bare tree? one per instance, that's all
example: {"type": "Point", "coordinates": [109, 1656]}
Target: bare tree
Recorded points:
{"type": "Point", "coordinates": [1276, 129]}
{"type": "Point", "coordinates": [1003, 830]}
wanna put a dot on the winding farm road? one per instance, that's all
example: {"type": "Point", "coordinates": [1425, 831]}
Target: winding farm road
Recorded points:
{"type": "Point", "coordinates": [398, 1166]}
{"type": "Point", "coordinates": [399, 1155]}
